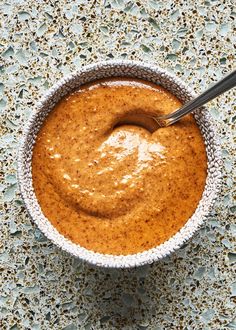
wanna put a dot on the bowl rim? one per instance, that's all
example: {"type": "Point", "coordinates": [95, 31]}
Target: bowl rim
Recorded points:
{"type": "Point", "coordinates": [109, 260]}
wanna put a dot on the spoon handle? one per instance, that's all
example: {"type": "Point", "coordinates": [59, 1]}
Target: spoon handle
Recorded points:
{"type": "Point", "coordinates": [217, 89]}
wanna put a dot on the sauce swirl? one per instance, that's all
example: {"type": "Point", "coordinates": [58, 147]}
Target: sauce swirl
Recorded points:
{"type": "Point", "coordinates": [117, 191]}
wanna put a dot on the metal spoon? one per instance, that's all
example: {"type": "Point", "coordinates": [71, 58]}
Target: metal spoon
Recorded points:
{"type": "Point", "coordinates": [152, 123]}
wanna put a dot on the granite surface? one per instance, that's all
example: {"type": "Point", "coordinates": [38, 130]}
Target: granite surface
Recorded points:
{"type": "Point", "coordinates": [44, 288]}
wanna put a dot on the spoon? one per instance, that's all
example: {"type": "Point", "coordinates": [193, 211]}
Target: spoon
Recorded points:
{"type": "Point", "coordinates": [153, 122]}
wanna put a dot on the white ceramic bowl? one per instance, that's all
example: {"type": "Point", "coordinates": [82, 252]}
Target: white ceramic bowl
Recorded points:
{"type": "Point", "coordinates": [67, 85]}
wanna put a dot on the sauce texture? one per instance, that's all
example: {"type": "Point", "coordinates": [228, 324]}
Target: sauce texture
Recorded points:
{"type": "Point", "coordinates": [117, 190]}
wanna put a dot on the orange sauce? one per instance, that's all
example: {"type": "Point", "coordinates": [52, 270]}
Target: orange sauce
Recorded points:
{"type": "Point", "coordinates": [124, 190]}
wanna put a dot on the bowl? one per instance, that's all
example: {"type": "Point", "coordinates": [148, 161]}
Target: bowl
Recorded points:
{"type": "Point", "coordinates": [119, 69]}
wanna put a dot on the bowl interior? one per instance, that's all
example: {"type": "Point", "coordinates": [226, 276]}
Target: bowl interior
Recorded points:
{"type": "Point", "coordinates": [67, 85]}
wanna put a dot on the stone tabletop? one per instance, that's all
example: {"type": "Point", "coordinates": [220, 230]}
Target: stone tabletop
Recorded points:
{"type": "Point", "coordinates": [42, 287]}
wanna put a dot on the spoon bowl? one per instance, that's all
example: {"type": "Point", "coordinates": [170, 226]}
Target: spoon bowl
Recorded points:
{"type": "Point", "coordinates": [144, 120]}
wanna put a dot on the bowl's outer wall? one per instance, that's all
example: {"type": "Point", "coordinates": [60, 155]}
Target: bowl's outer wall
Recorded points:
{"type": "Point", "coordinates": [73, 82]}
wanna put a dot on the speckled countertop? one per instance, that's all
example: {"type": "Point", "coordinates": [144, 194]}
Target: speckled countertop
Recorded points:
{"type": "Point", "coordinates": [44, 288]}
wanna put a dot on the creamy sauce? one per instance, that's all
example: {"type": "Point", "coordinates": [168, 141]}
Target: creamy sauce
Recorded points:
{"type": "Point", "coordinates": [123, 190]}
